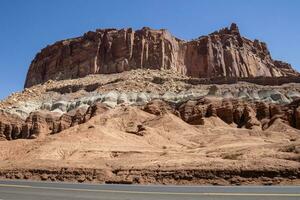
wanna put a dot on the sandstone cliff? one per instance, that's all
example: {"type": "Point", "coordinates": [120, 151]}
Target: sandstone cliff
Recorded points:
{"type": "Point", "coordinates": [224, 53]}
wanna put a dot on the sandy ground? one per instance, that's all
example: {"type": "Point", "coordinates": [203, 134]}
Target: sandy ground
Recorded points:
{"type": "Point", "coordinates": [168, 143]}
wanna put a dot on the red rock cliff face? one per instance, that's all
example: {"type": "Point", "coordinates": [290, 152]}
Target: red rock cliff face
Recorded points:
{"type": "Point", "coordinates": [224, 53]}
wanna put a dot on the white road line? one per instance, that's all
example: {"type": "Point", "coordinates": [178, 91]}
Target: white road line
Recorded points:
{"type": "Point", "coordinates": [157, 193]}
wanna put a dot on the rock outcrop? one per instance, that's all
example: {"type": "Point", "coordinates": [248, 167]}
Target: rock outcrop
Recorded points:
{"type": "Point", "coordinates": [10, 126]}
{"type": "Point", "coordinates": [239, 113]}
{"type": "Point", "coordinates": [43, 122]}
{"type": "Point", "coordinates": [224, 53]}
{"type": "Point", "coordinates": [235, 112]}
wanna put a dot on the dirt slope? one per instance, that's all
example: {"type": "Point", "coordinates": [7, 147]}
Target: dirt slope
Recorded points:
{"type": "Point", "coordinates": [167, 146]}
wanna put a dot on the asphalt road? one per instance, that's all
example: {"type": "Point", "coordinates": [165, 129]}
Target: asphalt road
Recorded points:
{"type": "Point", "coordinates": [31, 190]}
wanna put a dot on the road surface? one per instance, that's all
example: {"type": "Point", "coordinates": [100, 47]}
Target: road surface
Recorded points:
{"type": "Point", "coordinates": [31, 190]}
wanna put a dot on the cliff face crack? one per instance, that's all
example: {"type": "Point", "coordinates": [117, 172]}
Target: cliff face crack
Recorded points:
{"type": "Point", "coordinates": [224, 53]}
{"type": "Point", "coordinates": [96, 60]}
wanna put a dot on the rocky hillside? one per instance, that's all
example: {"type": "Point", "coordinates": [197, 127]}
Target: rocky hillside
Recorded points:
{"type": "Point", "coordinates": [224, 53]}
{"type": "Point", "coordinates": [54, 106]}
{"type": "Point", "coordinates": [215, 110]}
{"type": "Point", "coordinates": [200, 141]}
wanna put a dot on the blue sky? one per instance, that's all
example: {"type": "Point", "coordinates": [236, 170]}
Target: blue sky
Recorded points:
{"type": "Point", "coordinates": [26, 26]}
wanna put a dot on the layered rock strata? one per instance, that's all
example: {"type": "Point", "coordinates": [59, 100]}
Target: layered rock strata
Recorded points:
{"type": "Point", "coordinates": [241, 114]}
{"type": "Point", "coordinates": [224, 53]}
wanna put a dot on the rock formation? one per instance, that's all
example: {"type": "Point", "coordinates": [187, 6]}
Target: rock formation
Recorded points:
{"type": "Point", "coordinates": [220, 111]}
{"type": "Point", "coordinates": [224, 53]}
{"type": "Point", "coordinates": [44, 122]}
{"type": "Point", "coordinates": [238, 113]}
